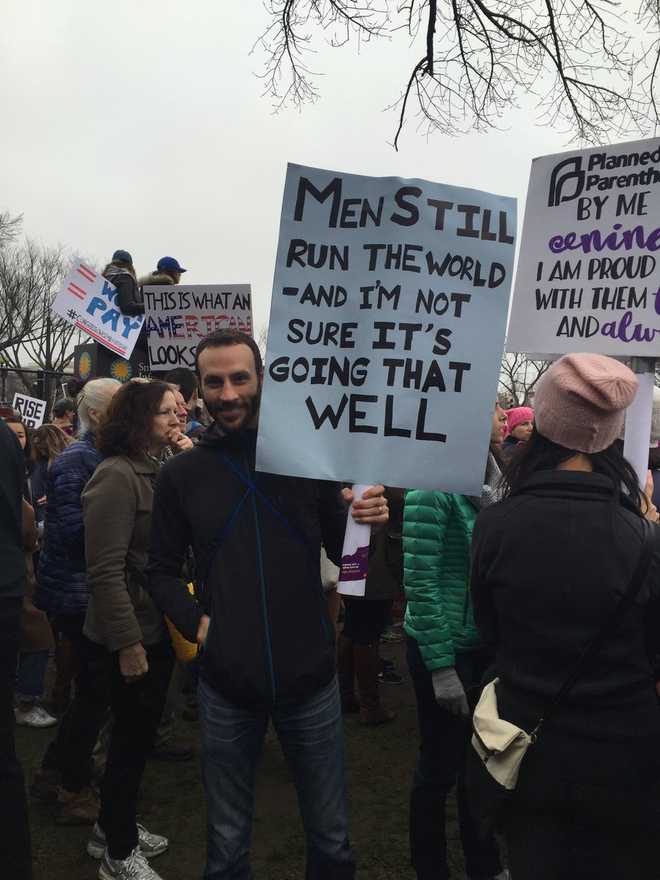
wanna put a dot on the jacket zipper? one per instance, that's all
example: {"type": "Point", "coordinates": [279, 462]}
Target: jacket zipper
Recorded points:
{"type": "Point", "coordinates": [264, 604]}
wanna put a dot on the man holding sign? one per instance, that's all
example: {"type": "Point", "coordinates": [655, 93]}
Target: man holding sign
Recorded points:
{"type": "Point", "coordinates": [268, 645]}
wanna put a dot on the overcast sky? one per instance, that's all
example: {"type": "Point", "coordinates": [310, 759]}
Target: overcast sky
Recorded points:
{"type": "Point", "coordinates": [142, 126]}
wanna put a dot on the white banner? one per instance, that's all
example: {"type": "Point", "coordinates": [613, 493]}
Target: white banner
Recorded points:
{"type": "Point", "coordinates": [386, 330]}
{"type": "Point", "coordinates": [177, 318]}
{"type": "Point", "coordinates": [89, 302]}
{"type": "Point", "coordinates": [589, 267]}
{"type": "Point", "coordinates": [32, 409]}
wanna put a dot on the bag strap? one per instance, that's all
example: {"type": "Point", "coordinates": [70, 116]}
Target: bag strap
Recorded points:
{"type": "Point", "coordinates": [215, 548]}
{"type": "Point", "coordinates": [608, 628]}
{"type": "Point", "coordinates": [223, 533]}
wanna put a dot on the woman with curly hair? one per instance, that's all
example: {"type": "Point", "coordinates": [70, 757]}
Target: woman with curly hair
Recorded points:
{"type": "Point", "coordinates": [126, 631]}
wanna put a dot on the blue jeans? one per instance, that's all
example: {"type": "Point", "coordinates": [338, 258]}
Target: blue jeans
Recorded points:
{"type": "Point", "coordinates": [311, 735]}
{"type": "Point", "coordinates": [31, 675]}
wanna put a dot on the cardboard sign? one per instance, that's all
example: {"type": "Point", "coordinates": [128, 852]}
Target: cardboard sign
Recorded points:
{"type": "Point", "coordinates": [178, 317]}
{"type": "Point", "coordinates": [32, 409]}
{"type": "Point", "coordinates": [386, 330]}
{"type": "Point", "coordinates": [89, 302]}
{"type": "Point", "coordinates": [589, 268]}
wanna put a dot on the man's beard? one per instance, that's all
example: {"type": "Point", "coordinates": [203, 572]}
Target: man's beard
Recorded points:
{"type": "Point", "coordinates": [249, 408]}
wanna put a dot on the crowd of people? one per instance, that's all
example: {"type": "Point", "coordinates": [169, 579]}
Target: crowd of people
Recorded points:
{"type": "Point", "coordinates": [148, 556]}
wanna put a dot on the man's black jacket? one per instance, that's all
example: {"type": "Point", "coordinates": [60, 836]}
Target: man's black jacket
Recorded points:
{"type": "Point", "coordinates": [256, 539]}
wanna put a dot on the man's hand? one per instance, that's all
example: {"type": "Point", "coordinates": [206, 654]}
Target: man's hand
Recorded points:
{"type": "Point", "coordinates": [133, 663]}
{"type": "Point", "coordinates": [449, 691]}
{"type": "Point", "coordinates": [203, 630]}
{"type": "Point", "coordinates": [371, 509]}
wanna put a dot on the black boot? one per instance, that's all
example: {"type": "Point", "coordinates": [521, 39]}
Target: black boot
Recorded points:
{"type": "Point", "coordinates": [367, 667]}
{"type": "Point", "coordinates": [346, 675]}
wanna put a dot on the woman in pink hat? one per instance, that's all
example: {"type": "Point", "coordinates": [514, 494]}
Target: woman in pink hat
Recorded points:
{"type": "Point", "coordinates": [520, 424]}
{"type": "Point", "coordinates": [551, 565]}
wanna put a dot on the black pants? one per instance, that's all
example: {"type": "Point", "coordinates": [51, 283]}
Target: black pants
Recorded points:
{"type": "Point", "coordinates": [15, 851]}
{"type": "Point", "coordinates": [586, 810]}
{"type": "Point", "coordinates": [71, 751]}
{"type": "Point", "coordinates": [137, 709]}
{"type": "Point", "coordinates": [365, 619]}
{"type": "Point", "coordinates": [441, 766]}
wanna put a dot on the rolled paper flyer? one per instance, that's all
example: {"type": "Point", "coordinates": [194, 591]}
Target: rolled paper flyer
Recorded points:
{"type": "Point", "coordinates": [355, 555]}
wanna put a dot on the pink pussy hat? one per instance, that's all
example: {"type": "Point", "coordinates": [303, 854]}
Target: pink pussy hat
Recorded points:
{"type": "Point", "coordinates": [580, 402]}
{"type": "Point", "coordinates": [517, 416]}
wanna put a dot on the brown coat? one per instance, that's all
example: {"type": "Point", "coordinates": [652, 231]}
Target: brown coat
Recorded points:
{"type": "Point", "coordinates": [117, 503]}
{"type": "Point", "coordinates": [36, 633]}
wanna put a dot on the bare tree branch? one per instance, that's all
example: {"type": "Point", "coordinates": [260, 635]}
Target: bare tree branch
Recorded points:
{"type": "Point", "coordinates": [519, 375]}
{"type": "Point", "coordinates": [30, 277]}
{"type": "Point", "coordinates": [591, 65]}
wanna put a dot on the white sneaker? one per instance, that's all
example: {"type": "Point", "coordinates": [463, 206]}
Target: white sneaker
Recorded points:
{"type": "Point", "coordinates": [150, 845]}
{"type": "Point", "coordinates": [35, 716]}
{"type": "Point", "coordinates": [135, 867]}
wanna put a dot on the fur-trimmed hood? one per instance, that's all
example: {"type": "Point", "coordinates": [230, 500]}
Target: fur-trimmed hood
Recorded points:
{"type": "Point", "coordinates": [156, 278]}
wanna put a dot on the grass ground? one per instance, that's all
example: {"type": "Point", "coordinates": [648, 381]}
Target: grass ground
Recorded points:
{"type": "Point", "coordinates": [379, 766]}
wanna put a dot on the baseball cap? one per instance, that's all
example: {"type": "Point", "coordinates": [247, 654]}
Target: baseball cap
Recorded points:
{"type": "Point", "coordinates": [169, 264]}
{"type": "Point", "coordinates": [124, 256]}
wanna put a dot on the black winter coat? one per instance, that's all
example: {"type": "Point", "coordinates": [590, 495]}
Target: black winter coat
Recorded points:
{"type": "Point", "coordinates": [549, 565]}
{"type": "Point", "coordinates": [12, 475]}
{"type": "Point", "coordinates": [129, 295]}
{"type": "Point", "coordinates": [270, 638]}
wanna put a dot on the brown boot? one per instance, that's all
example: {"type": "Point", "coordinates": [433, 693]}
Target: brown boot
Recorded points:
{"type": "Point", "coordinates": [346, 675]}
{"type": "Point", "coordinates": [367, 666]}
{"type": "Point", "coordinates": [77, 807]}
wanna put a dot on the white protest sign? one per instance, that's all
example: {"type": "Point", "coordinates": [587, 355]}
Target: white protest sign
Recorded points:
{"type": "Point", "coordinates": [32, 409]}
{"type": "Point", "coordinates": [178, 317]}
{"type": "Point", "coordinates": [386, 330]}
{"type": "Point", "coordinates": [589, 266]}
{"type": "Point", "coordinates": [88, 301]}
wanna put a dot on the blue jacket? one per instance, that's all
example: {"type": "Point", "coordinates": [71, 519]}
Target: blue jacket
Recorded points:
{"type": "Point", "coordinates": [62, 582]}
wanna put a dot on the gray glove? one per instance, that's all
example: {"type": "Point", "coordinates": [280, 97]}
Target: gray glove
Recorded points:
{"type": "Point", "coordinates": [449, 692]}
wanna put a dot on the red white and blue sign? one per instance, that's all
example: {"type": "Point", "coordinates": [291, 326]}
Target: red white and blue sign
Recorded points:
{"type": "Point", "coordinates": [89, 302]}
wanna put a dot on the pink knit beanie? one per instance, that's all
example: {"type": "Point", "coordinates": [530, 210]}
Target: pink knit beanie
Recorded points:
{"type": "Point", "coordinates": [581, 400]}
{"type": "Point", "coordinates": [517, 416]}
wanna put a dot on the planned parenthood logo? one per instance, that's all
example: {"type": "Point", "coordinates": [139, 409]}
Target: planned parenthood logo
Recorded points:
{"type": "Point", "coordinates": [566, 181]}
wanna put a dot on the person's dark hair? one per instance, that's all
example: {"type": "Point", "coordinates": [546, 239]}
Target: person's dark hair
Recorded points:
{"type": "Point", "coordinates": [63, 406]}
{"type": "Point", "coordinates": [185, 379]}
{"type": "Point", "coordinates": [541, 454]}
{"type": "Point", "coordinates": [126, 427]}
{"type": "Point", "coordinates": [230, 337]}
{"type": "Point", "coordinates": [73, 387]}
{"type": "Point", "coordinates": [654, 458]}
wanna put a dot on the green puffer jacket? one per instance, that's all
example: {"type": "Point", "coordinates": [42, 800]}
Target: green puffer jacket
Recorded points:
{"type": "Point", "coordinates": [437, 533]}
